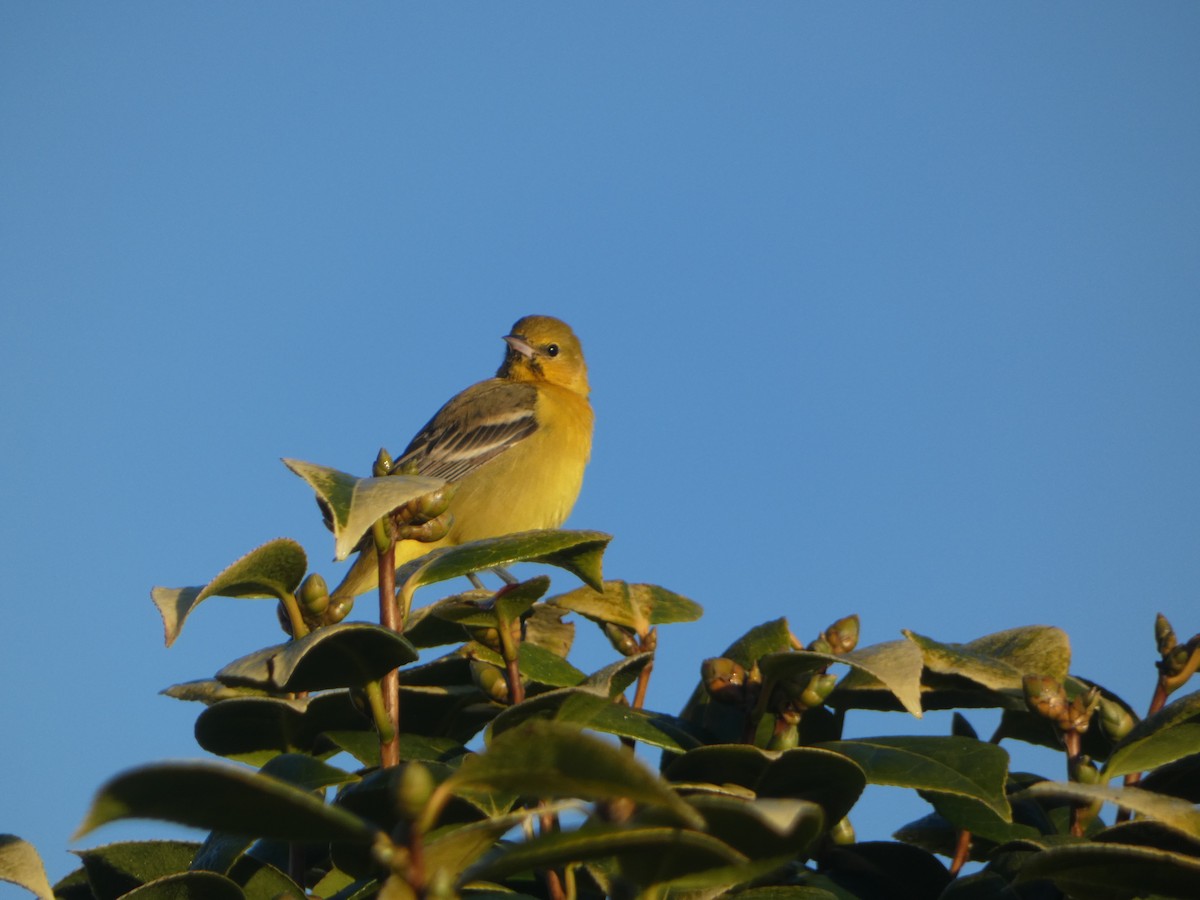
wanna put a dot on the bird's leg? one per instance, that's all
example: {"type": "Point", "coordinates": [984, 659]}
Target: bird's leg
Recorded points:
{"type": "Point", "coordinates": [506, 576]}
{"type": "Point", "coordinates": [475, 582]}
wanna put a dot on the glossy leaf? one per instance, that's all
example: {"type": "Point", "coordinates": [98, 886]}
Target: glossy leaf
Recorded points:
{"type": "Point", "coordinates": [349, 654]}
{"type": "Point", "coordinates": [820, 776]}
{"type": "Point", "coordinates": [116, 869]}
{"type": "Point", "coordinates": [1170, 734]}
{"type": "Point", "coordinates": [358, 503]}
{"type": "Point", "coordinates": [670, 851]}
{"type": "Point", "coordinates": [254, 729]}
{"type": "Point", "coordinates": [209, 691]}
{"type": "Point", "coordinates": [551, 759]}
{"type": "Point", "coordinates": [21, 865]}
{"type": "Point", "coordinates": [763, 827]}
{"type": "Point", "coordinates": [535, 663]}
{"type": "Point", "coordinates": [579, 552]}
{"type": "Point", "coordinates": [972, 770]}
{"type": "Point", "coordinates": [273, 570]}
{"type": "Point", "coordinates": [895, 665]}
{"type": "Point", "coordinates": [1171, 811]}
{"type": "Point", "coordinates": [1115, 872]}
{"type": "Point", "coordinates": [223, 798]}
{"type": "Point", "coordinates": [635, 606]}
{"type": "Point", "coordinates": [188, 886]}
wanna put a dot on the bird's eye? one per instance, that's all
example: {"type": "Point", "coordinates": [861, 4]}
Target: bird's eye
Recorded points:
{"type": "Point", "coordinates": [552, 349]}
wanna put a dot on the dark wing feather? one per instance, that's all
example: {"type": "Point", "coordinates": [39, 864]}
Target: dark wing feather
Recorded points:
{"type": "Point", "coordinates": [471, 429]}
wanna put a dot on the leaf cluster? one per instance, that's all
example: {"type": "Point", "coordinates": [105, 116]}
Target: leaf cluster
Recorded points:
{"type": "Point", "coordinates": [518, 775]}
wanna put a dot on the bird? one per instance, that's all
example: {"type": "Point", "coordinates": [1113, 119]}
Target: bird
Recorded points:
{"type": "Point", "coordinates": [515, 446]}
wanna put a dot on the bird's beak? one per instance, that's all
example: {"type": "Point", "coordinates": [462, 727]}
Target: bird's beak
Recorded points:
{"type": "Point", "coordinates": [519, 344]}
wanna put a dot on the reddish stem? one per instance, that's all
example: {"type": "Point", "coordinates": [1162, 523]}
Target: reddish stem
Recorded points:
{"type": "Point", "coordinates": [389, 617]}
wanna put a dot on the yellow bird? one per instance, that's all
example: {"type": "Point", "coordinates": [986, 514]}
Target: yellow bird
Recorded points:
{"type": "Point", "coordinates": [516, 446]}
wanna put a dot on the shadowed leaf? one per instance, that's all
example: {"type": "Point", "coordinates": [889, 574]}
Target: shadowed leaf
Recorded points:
{"type": "Point", "coordinates": [551, 759]}
{"type": "Point", "coordinates": [1170, 734]}
{"type": "Point", "coordinates": [971, 770]}
{"type": "Point", "coordinates": [1171, 811]}
{"type": "Point", "coordinates": [348, 654]}
{"type": "Point", "coordinates": [1114, 871]}
{"type": "Point", "coordinates": [223, 798]}
{"type": "Point", "coordinates": [579, 552]}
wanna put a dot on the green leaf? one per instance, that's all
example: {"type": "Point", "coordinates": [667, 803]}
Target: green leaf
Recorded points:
{"type": "Point", "coordinates": [820, 776]}
{"type": "Point", "coordinates": [763, 827]}
{"type": "Point", "coordinates": [999, 661]}
{"type": "Point", "coordinates": [356, 503]}
{"type": "Point", "coordinates": [739, 764]}
{"type": "Point", "coordinates": [1104, 871]}
{"type": "Point", "coordinates": [222, 798]}
{"type": "Point", "coordinates": [348, 654]}
{"type": "Point", "coordinates": [635, 606]}
{"type": "Point", "coordinates": [117, 869]}
{"type": "Point", "coordinates": [273, 570]}
{"type": "Point", "coordinates": [536, 664]}
{"type": "Point", "coordinates": [969, 769]}
{"type": "Point", "coordinates": [895, 665]}
{"type": "Point", "coordinates": [1178, 779]}
{"type": "Point", "coordinates": [254, 729]}
{"type": "Point", "coordinates": [665, 852]}
{"type": "Point", "coordinates": [1170, 734]}
{"type": "Point", "coordinates": [188, 886]}
{"type": "Point", "coordinates": [550, 759]}
{"type": "Point", "coordinates": [305, 772]}
{"type": "Point", "coordinates": [882, 870]}
{"type": "Point", "coordinates": [21, 865]}
{"type": "Point", "coordinates": [1171, 811]}
{"type": "Point", "coordinates": [579, 552]}
{"type": "Point", "coordinates": [209, 691]}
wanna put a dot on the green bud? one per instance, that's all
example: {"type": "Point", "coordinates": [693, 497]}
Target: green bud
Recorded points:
{"type": "Point", "coordinates": [338, 610]}
{"type": "Point", "coordinates": [842, 833]}
{"type": "Point", "coordinates": [313, 594]}
{"type": "Point", "coordinates": [383, 463]}
{"type": "Point", "coordinates": [490, 680]}
{"type": "Point", "coordinates": [1084, 771]}
{"type": "Point", "coordinates": [413, 790]}
{"type": "Point", "coordinates": [1115, 720]}
{"type": "Point", "coordinates": [622, 639]}
{"type": "Point", "coordinates": [1045, 696]}
{"type": "Point", "coordinates": [724, 680]}
{"type": "Point", "coordinates": [1164, 634]}
{"type": "Point", "coordinates": [842, 635]}
{"type": "Point", "coordinates": [786, 738]}
{"type": "Point", "coordinates": [820, 645]}
{"type": "Point", "coordinates": [818, 690]}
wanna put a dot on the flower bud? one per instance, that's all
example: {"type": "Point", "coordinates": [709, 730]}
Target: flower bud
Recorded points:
{"type": "Point", "coordinates": [842, 635]}
{"type": "Point", "coordinates": [313, 594]}
{"type": "Point", "coordinates": [842, 833]}
{"type": "Point", "coordinates": [1164, 634]}
{"type": "Point", "coordinates": [383, 463]}
{"type": "Point", "coordinates": [490, 680]}
{"type": "Point", "coordinates": [1045, 696]}
{"type": "Point", "coordinates": [413, 790]}
{"type": "Point", "coordinates": [818, 690]}
{"type": "Point", "coordinates": [786, 738]}
{"type": "Point", "coordinates": [622, 639]}
{"type": "Point", "coordinates": [724, 680]}
{"type": "Point", "coordinates": [1115, 720]}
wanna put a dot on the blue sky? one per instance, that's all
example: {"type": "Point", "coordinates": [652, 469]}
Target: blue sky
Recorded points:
{"type": "Point", "coordinates": [890, 309]}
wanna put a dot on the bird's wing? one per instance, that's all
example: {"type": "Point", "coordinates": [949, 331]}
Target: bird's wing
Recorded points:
{"type": "Point", "coordinates": [474, 427]}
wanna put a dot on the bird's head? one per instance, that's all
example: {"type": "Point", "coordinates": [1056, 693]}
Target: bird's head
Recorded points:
{"type": "Point", "coordinates": [542, 348]}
